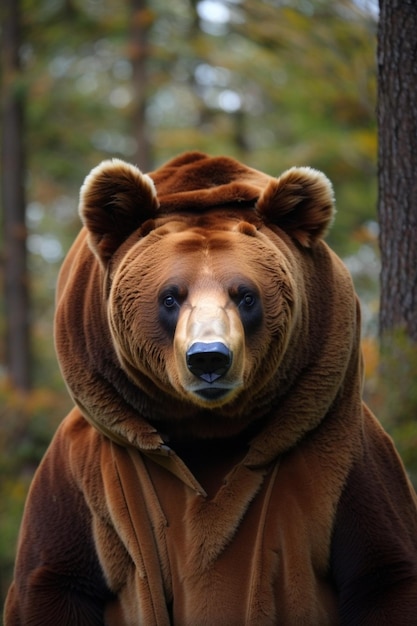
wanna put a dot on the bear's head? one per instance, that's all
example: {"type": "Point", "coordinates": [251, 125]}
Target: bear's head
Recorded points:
{"type": "Point", "coordinates": [203, 293]}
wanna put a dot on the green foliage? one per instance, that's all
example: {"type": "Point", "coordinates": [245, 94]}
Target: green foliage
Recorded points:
{"type": "Point", "coordinates": [275, 83]}
{"type": "Point", "coordinates": [392, 392]}
{"type": "Point", "coordinates": [26, 425]}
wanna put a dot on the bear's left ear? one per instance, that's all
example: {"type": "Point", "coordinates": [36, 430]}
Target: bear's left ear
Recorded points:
{"type": "Point", "coordinates": [115, 199]}
{"type": "Point", "coordinates": [301, 202]}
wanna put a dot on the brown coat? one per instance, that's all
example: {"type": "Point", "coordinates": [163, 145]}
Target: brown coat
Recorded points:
{"type": "Point", "coordinates": [286, 504]}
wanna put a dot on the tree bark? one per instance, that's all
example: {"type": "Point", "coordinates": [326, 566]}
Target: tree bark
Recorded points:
{"type": "Point", "coordinates": [16, 288]}
{"type": "Point", "coordinates": [397, 164]}
{"type": "Point", "coordinates": [141, 19]}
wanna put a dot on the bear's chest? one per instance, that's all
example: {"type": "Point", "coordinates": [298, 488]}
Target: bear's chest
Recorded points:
{"type": "Point", "coordinates": [211, 461]}
{"type": "Point", "coordinates": [244, 556]}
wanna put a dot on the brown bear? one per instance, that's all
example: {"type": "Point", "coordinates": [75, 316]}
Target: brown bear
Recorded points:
{"type": "Point", "coordinates": [220, 467]}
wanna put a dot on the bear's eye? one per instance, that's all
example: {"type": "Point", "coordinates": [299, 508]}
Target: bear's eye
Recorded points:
{"type": "Point", "coordinates": [248, 299]}
{"type": "Point", "coordinates": [249, 305]}
{"type": "Point", "coordinates": [172, 296]}
{"type": "Point", "coordinates": [169, 301]}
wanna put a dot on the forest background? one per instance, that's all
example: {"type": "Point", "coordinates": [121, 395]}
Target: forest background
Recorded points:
{"type": "Point", "coordinates": [274, 83]}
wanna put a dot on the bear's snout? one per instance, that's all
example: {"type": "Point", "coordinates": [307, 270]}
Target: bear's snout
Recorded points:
{"type": "Point", "coordinates": [209, 361]}
{"type": "Point", "coordinates": [209, 348]}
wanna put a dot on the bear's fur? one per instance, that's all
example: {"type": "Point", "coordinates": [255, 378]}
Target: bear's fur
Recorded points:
{"type": "Point", "coordinates": [220, 467]}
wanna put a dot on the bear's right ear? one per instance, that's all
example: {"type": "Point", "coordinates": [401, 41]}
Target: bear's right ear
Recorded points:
{"type": "Point", "coordinates": [301, 202]}
{"type": "Point", "coordinates": [115, 199]}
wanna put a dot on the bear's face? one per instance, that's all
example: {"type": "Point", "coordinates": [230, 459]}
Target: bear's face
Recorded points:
{"type": "Point", "coordinates": [197, 307]}
{"type": "Point", "coordinates": [205, 296]}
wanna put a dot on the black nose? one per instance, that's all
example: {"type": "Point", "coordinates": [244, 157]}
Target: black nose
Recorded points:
{"type": "Point", "coordinates": [209, 361]}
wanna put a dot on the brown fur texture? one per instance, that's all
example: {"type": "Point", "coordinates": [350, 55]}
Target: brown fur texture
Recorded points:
{"type": "Point", "coordinates": [246, 486]}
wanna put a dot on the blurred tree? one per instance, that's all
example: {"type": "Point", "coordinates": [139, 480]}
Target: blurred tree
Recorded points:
{"type": "Point", "coordinates": [395, 391]}
{"type": "Point", "coordinates": [13, 174]}
{"type": "Point", "coordinates": [397, 123]}
{"type": "Point", "coordinates": [141, 20]}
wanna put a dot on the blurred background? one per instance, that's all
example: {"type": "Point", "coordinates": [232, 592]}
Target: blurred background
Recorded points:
{"type": "Point", "coordinates": [273, 83]}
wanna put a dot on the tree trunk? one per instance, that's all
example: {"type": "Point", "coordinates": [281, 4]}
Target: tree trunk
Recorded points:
{"type": "Point", "coordinates": [16, 289]}
{"type": "Point", "coordinates": [141, 19]}
{"type": "Point", "coordinates": [397, 121]}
